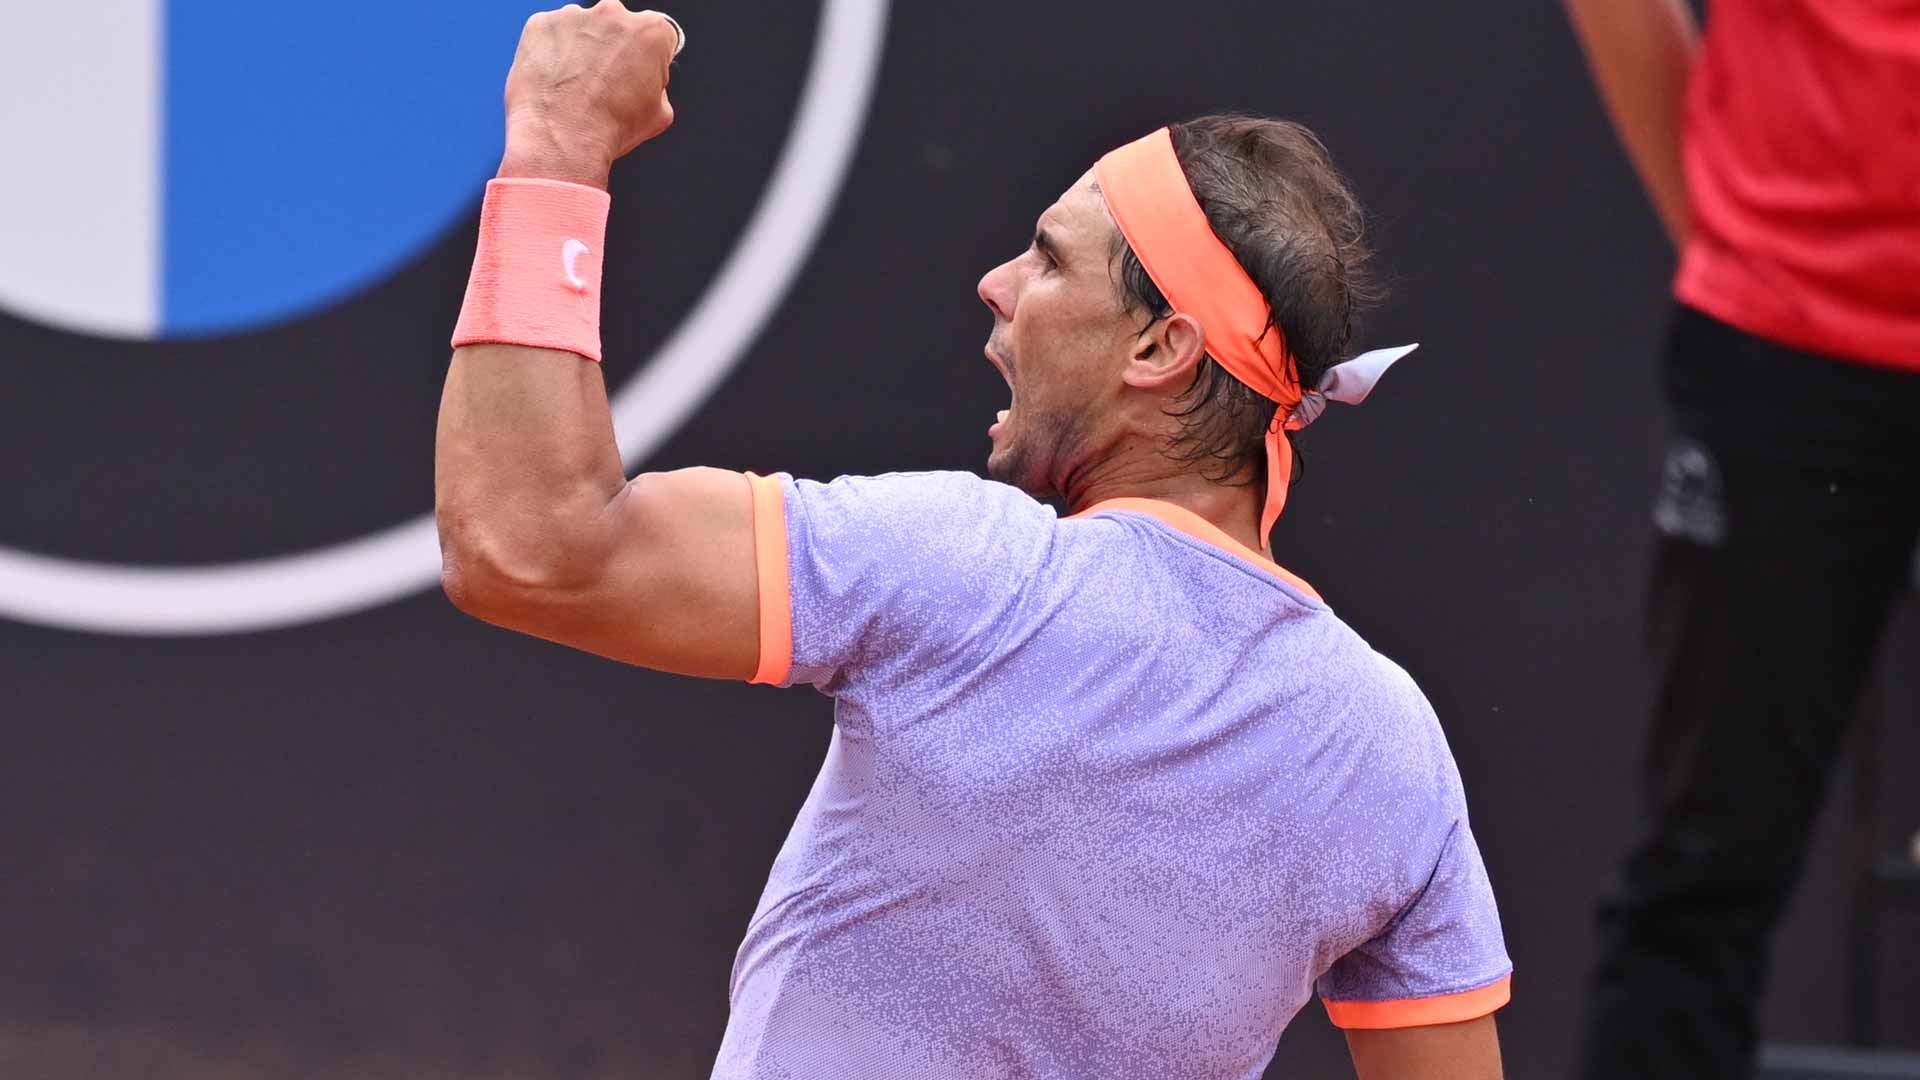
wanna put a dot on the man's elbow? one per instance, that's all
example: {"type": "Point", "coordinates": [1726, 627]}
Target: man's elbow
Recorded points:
{"type": "Point", "coordinates": [493, 575]}
{"type": "Point", "coordinates": [468, 594]}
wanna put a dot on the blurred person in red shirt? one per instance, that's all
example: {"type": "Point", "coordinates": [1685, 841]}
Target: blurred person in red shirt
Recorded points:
{"type": "Point", "coordinates": [1781, 150]}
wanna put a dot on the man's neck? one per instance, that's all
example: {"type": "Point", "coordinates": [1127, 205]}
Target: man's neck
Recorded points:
{"type": "Point", "coordinates": [1233, 509]}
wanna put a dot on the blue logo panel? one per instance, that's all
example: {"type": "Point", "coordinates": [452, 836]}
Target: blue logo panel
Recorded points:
{"type": "Point", "coordinates": [311, 149]}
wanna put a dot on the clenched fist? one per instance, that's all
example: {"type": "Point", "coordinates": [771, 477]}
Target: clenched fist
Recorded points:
{"type": "Point", "coordinates": [587, 85]}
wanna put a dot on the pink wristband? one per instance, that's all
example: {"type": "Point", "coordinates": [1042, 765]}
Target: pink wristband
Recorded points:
{"type": "Point", "coordinates": [536, 271]}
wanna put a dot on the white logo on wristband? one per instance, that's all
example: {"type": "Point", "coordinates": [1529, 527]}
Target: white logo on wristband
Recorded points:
{"type": "Point", "coordinates": [570, 253]}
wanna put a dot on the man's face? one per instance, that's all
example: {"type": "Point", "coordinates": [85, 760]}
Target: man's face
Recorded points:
{"type": "Point", "coordinates": [1061, 338]}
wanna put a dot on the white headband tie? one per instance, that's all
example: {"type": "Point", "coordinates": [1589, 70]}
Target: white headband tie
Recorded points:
{"type": "Point", "coordinates": [1349, 382]}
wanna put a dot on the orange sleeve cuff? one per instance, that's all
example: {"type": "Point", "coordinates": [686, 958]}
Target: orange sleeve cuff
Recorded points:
{"type": "Point", "coordinates": [776, 588]}
{"type": "Point", "coordinates": [1419, 1012]}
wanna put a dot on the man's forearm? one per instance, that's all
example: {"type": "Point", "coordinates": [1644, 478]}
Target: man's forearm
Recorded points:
{"type": "Point", "coordinates": [529, 489]}
{"type": "Point", "coordinates": [1641, 53]}
{"type": "Point", "coordinates": [525, 467]}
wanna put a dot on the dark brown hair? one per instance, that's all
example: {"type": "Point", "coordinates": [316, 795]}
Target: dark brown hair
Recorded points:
{"type": "Point", "coordinates": [1272, 195]}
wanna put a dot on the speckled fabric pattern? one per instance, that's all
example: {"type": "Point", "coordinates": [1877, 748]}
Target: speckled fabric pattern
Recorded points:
{"type": "Point", "coordinates": [1102, 800]}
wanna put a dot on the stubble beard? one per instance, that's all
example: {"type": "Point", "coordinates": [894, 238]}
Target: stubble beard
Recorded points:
{"type": "Point", "coordinates": [1031, 459]}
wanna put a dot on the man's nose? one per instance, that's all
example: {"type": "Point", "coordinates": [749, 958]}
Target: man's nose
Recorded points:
{"type": "Point", "coordinates": [997, 290]}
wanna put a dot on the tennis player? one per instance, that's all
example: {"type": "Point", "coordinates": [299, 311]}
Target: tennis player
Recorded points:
{"type": "Point", "coordinates": [1108, 795]}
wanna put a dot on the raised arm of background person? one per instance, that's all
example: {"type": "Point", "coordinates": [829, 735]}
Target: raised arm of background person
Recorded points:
{"type": "Point", "coordinates": [1465, 1051]}
{"type": "Point", "coordinates": [1640, 53]}
{"type": "Point", "coordinates": [539, 529]}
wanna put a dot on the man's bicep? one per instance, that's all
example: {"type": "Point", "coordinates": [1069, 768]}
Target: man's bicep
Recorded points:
{"type": "Point", "coordinates": [1469, 1050]}
{"type": "Point", "coordinates": [679, 586]}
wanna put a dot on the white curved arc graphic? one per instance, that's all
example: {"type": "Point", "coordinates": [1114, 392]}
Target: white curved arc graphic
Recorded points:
{"type": "Point", "coordinates": [349, 577]}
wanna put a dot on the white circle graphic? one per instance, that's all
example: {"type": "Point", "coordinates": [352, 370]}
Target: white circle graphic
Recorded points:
{"type": "Point", "coordinates": [338, 580]}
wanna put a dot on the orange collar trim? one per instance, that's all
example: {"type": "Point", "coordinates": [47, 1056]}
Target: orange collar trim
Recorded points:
{"type": "Point", "coordinates": [1183, 520]}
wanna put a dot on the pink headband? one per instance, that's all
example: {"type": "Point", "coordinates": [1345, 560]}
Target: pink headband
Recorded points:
{"type": "Point", "coordinates": [1147, 193]}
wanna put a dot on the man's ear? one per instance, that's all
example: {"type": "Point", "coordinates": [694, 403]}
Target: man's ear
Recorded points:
{"type": "Point", "coordinates": [1165, 356]}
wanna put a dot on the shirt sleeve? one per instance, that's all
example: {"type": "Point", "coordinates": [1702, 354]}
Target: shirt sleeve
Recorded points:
{"type": "Point", "coordinates": [898, 576]}
{"type": "Point", "coordinates": [1441, 960]}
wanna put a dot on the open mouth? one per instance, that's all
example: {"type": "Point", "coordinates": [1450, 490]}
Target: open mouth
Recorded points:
{"type": "Point", "coordinates": [1000, 364]}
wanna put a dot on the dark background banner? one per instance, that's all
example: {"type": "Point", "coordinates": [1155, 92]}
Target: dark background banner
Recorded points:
{"type": "Point", "coordinates": [404, 843]}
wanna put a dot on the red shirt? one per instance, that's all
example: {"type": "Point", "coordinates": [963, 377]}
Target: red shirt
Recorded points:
{"type": "Point", "coordinates": [1803, 172]}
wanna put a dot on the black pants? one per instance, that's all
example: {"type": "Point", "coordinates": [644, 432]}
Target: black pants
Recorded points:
{"type": "Point", "coordinates": [1788, 512]}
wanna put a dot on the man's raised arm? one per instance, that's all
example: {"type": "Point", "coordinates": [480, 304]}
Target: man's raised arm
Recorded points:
{"type": "Point", "coordinates": [539, 529]}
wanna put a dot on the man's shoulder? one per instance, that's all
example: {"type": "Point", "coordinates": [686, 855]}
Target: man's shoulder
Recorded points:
{"type": "Point", "coordinates": [1368, 684]}
{"type": "Point", "coordinates": [1406, 736]}
{"type": "Point", "coordinates": [925, 482]}
{"type": "Point", "coordinates": [945, 498]}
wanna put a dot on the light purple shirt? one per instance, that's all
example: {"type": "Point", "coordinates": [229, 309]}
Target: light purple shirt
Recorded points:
{"type": "Point", "coordinates": [1106, 797]}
